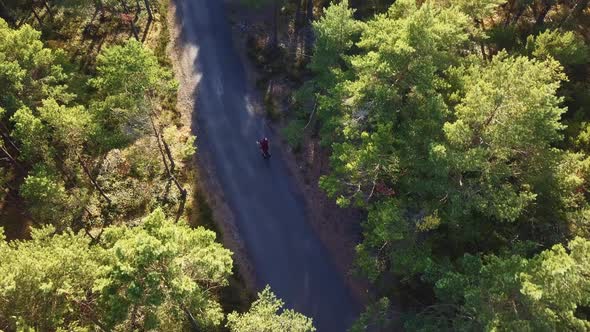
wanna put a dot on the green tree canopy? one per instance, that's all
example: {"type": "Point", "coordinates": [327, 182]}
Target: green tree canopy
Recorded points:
{"type": "Point", "coordinates": [157, 273]}
{"type": "Point", "coordinates": [151, 276]}
{"type": "Point", "coordinates": [501, 139]}
{"type": "Point", "coordinates": [29, 72]}
{"type": "Point", "coordinates": [128, 78]}
{"type": "Point", "coordinates": [548, 292]}
{"type": "Point", "coordinates": [566, 47]}
{"type": "Point", "coordinates": [336, 32]}
{"type": "Point", "coordinates": [267, 315]}
{"type": "Point", "coordinates": [446, 122]}
{"type": "Point", "coordinates": [46, 282]}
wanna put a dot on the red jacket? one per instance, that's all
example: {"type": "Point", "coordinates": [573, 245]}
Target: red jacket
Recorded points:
{"type": "Point", "coordinates": [264, 144]}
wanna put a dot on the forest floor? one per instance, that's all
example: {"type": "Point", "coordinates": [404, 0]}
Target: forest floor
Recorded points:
{"type": "Point", "coordinates": [338, 228]}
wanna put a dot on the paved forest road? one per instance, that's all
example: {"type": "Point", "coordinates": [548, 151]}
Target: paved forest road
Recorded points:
{"type": "Point", "coordinates": [269, 211]}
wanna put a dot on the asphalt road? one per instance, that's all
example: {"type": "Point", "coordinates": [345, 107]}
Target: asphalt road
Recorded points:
{"type": "Point", "coordinates": [269, 210]}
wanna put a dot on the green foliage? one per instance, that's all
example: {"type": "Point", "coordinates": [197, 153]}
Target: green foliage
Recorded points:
{"type": "Point", "coordinates": [28, 71]}
{"type": "Point", "coordinates": [445, 122]}
{"type": "Point", "coordinates": [128, 78]}
{"type": "Point", "coordinates": [45, 281]}
{"type": "Point", "coordinates": [504, 127]}
{"type": "Point", "coordinates": [146, 277]}
{"type": "Point", "coordinates": [129, 69]}
{"type": "Point", "coordinates": [264, 316]}
{"type": "Point", "coordinates": [335, 33]}
{"type": "Point", "coordinates": [70, 126]}
{"type": "Point", "coordinates": [504, 293]}
{"type": "Point", "coordinates": [583, 139]}
{"type": "Point", "coordinates": [183, 145]}
{"type": "Point", "coordinates": [158, 271]}
{"type": "Point", "coordinates": [479, 9]}
{"type": "Point", "coordinates": [164, 35]}
{"type": "Point", "coordinates": [375, 317]}
{"type": "Point", "coordinates": [72, 137]}
{"type": "Point", "coordinates": [396, 77]}
{"type": "Point", "coordinates": [32, 134]}
{"type": "Point", "coordinates": [558, 287]}
{"type": "Point", "coordinates": [566, 47]}
{"type": "Point", "coordinates": [47, 196]}
{"type": "Point", "coordinates": [440, 127]}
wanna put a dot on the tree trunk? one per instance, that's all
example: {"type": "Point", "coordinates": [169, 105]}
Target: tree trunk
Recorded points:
{"type": "Point", "coordinates": [191, 318]}
{"type": "Point", "coordinates": [308, 38]}
{"type": "Point", "coordinates": [164, 155]}
{"type": "Point", "coordinates": [9, 155]}
{"type": "Point", "coordinates": [519, 14]}
{"type": "Point", "coordinates": [137, 9]}
{"type": "Point", "coordinates": [150, 19]}
{"type": "Point", "coordinates": [22, 21]}
{"type": "Point", "coordinates": [547, 5]}
{"type": "Point", "coordinates": [481, 42]}
{"type": "Point", "coordinates": [508, 8]}
{"type": "Point", "coordinates": [483, 50]}
{"type": "Point", "coordinates": [133, 28]}
{"type": "Point", "coordinates": [511, 7]}
{"type": "Point", "coordinates": [46, 5]}
{"type": "Point", "coordinates": [93, 181]}
{"type": "Point", "coordinates": [149, 10]}
{"type": "Point", "coordinates": [183, 195]}
{"type": "Point", "coordinates": [4, 132]}
{"type": "Point", "coordinates": [168, 153]}
{"type": "Point", "coordinates": [37, 16]}
{"type": "Point", "coordinates": [576, 11]}
{"type": "Point", "coordinates": [6, 138]}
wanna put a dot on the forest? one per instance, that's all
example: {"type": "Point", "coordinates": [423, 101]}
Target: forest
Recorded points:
{"type": "Point", "coordinates": [459, 129]}
{"type": "Point", "coordinates": [462, 129]}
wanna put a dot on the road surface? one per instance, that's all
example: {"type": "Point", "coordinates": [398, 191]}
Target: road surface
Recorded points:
{"type": "Point", "coordinates": [269, 210]}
